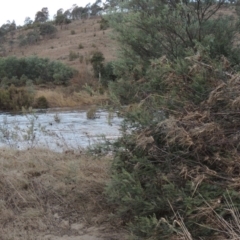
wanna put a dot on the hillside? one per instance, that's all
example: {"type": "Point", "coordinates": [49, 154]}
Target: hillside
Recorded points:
{"type": "Point", "coordinates": [87, 33]}
{"type": "Point", "coordinates": [72, 45]}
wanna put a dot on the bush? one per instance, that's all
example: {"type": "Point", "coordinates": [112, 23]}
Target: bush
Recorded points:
{"type": "Point", "coordinates": [104, 24]}
{"type": "Point", "coordinates": [179, 150]}
{"type": "Point", "coordinates": [108, 74]}
{"type": "Point", "coordinates": [32, 37]}
{"type": "Point", "coordinates": [47, 29]}
{"type": "Point", "coordinates": [169, 160]}
{"type": "Point", "coordinates": [73, 55]}
{"type": "Point", "coordinates": [41, 102]}
{"type": "Point", "coordinates": [18, 70]}
{"type": "Point", "coordinates": [97, 60]}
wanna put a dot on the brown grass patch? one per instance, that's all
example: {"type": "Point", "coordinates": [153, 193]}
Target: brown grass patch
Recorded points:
{"type": "Point", "coordinates": [42, 192]}
{"type": "Point", "coordinates": [60, 98]}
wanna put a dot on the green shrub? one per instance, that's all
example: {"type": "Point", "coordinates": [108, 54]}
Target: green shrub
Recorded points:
{"type": "Point", "coordinates": [108, 74]}
{"type": "Point", "coordinates": [47, 29]}
{"type": "Point", "coordinates": [178, 68]}
{"type": "Point", "coordinates": [104, 24]}
{"type": "Point", "coordinates": [41, 102]}
{"type": "Point", "coordinates": [32, 37]}
{"type": "Point", "coordinates": [18, 70]}
{"type": "Point", "coordinates": [73, 55]}
{"type": "Point", "coordinates": [97, 60]}
{"type": "Point", "coordinates": [156, 169]}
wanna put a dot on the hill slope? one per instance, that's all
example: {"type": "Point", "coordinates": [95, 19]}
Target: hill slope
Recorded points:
{"type": "Point", "coordinates": [87, 33]}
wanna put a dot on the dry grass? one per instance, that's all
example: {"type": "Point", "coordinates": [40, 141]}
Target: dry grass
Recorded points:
{"type": "Point", "coordinates": [227, 229]}
{"type": "Point", "coordinates": [42, 192]}
{"type": "Point", "coordinates": [60, 98]}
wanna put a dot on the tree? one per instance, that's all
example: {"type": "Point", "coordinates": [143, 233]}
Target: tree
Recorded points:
{"type": "Point", "coordinates": [62, 18]}
{"type": "Point", "coordinates": [80, 12]}
{"type": "Point", "coordinates": [97, 60]}
{"type": "Point", "coordinates": [96, 8]}
{"type": "Point", "coordinates": [42, 16]}
{"type": "Point", "coordinates": [47, 29]}
{"type": "Point", "coordinates": [11, 44]}
{"type": "Point", "coordinates": [28, 21]}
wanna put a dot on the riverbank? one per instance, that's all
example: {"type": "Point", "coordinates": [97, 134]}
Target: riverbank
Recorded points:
{"type": "Point", "coordinates": [70, 97]}
{"type": "Point", "coordinates": [49, 195]}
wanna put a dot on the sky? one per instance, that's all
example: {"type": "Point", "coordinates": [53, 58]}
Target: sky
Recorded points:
{"type": "Point", "coordinates": [18, 10]}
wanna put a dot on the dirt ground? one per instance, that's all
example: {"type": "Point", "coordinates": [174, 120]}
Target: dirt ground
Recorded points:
{"type": "Point", "coordinates": [55, 196]}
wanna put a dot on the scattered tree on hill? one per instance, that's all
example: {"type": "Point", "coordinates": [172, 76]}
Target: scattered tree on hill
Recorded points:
{"type": "Point", "coordinates": [31, 38]}
{"type": "Point", "coordinates": [42, 16]}
{"type": "Point", "coordinates": [28, 21]}
{"type": "Point", "coordinates": [96, 8]}
{"type": "Point", "coordinates": [62, 18]}
{"type": "Point", "coordinates": [80, 12]}
{"type": "Point", "coordinates": [97, 60]}
{"type": "Point", "coordinates": [47, 29]}
{"type": "Point", "coordinates": [6, 28]}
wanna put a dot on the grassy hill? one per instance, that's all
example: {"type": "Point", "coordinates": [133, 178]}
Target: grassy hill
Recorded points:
{"type": "Point", "coordinates": [87, 33]}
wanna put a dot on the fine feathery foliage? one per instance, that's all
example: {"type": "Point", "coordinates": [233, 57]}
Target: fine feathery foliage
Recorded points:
{"type": "Point", "coordinates": [179, 150]}
{"type": "Point", "coordinates": [152, 29]}
{"type": "Point", "coordinates": [184, 156]}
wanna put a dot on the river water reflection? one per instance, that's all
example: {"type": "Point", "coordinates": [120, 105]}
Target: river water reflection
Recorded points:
{"type": "Point", "coordinates": [56, 129]}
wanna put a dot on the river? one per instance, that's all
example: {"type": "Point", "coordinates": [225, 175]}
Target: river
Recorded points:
{"type": "Point", "coordinates": [57, 129]}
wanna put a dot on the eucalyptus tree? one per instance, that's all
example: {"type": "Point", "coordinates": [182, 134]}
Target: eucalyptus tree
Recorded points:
{"type": "Point", "coordinates": [96, 8]}
{"type": "Point", "coordinates": [28, 21]}
{"type": "Point", "coordinates": [42, 16]}
{"type": "Point", "coordinates": [62, 18]}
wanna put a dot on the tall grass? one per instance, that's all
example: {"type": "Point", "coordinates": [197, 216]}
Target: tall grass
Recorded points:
{"type": "Point", "coordinates": [59, 98]}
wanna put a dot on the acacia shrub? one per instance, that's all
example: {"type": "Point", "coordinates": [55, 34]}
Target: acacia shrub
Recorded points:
{"type": "Point", "coordinates": [179, 158]}
{"type": "Point", "coordinates": [179, 148]}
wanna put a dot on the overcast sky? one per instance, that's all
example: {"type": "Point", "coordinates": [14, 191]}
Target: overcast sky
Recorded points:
{"type": "Point", "coordinates": [18, 10]}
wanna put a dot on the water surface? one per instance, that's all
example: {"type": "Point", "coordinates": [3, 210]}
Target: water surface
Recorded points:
{"type": "Point", "coordinates": [56, 129]}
